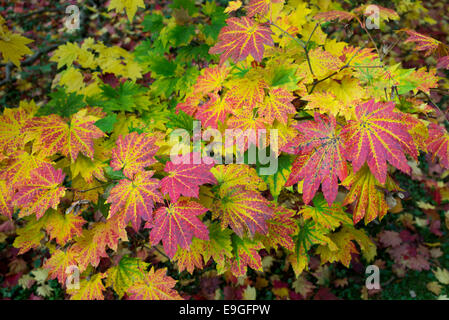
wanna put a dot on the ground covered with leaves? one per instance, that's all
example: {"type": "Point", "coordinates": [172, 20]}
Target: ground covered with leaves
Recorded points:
{"type": "Point", "coordinates": [173, 40]}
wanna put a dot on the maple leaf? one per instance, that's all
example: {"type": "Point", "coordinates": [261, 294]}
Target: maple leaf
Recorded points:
{"type": "Point", "coordinates": [133, 153]}
{"type": "Point", "coordinates": [233, 6]}
{"type": "Point", "coordinates": [90, 289]}
{"type": "Point", "coordinates": [277, 105]}
{"type": "Point", "coordinates": [424, 80]}
{"type": "Point", "coordinates": [155, 286]}
{"type": "Point", "coordinates": [438, 144]}
{"type": "Point", "coordinates": [13, 129]}
{"type": "Point", "coordinates": [376, 136]}
{"type": "Point", "coordinates": [281, 227]}
{"type": "Point", "coordinates": [214, 111]}
{"type": "Point", "coordinates": [185, 179]}
{"type": "Point", "coordinates": [246, 127]}
{"type": "Point", "coordinates": [6, 207]}
{"type": "Point", "coordinates": [240, 38]}
{"type": "Point", "coordinates": [41, 191]}
{"type": "Point", "coordinates": [245, 255]}
{"type": "Point", "coordinates": [58, 263]}
{"type": "Point", "coordinates": [390, 238]}
{"type": "Point", "coordinates": [237, 175]}
{"type": "Point", "coordinates": [19, 167]}
{"type": "Point", "coordinates": [423, 43]}
{"type": "Point", "coordinates": [177, 224]}
{"type": "Point", "coordinates": [335, 15]}
{"type": "Point", "coordinates": [218, 247]}
{"type": "Point", "coordinates": [303, 286]}
{"type": "Point", "coordinates": [330, 217]}
{"type": "Point", "coordinates": [129, 5]}
{"type": "Point", "coordinates": [443, 63]}
{"type": "Point", "coordinates": [128, 271]}
{"type": "Point", "coordinates": [260, 7]}
{"type": "Point", "coordinates": [442, 275]}
{"type": "Point", "coordinates": [323, 62]}
{"type": "Point", "coordinates": [53, 134]}
{"type": "Point", "coordinates": [243, 210]}
{"type": "Point", "coordinates": [188, 259]}
{"type": "Point", "coordinates": [384, 13]}
{"type": "Point", "coordinates": [190, 105]}
{"type": "Point", "coordinates": [90, 247]}
{"type": "Point", "coordinates": [13, 46]}
{"type": "Point", "coordinates": [246, 93]}
{"type": "Point", "coordinates": [210, 80]}
{"type": "Point", "coordinates": [367, 195]}
{"type": "Point", "coordinates": [320, 159]}
{"type": "Point", "coordinates": [30, 235]}
{"type": "Point", "coordinates": [343, 250]}
{"type": "Point", "coordinates": [63, 227]}
{"type": "Point", "coordinates": [133, 200]}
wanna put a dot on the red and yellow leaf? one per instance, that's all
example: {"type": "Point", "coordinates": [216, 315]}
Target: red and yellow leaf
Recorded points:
{"type": "Point", "coordinates": [376, 136]}
{"type": "Point", "coordinates": [58, 263]}
{"type": "Point", "coordinates": [240, 38]}
{"type": "Point", "coordinates": [53, 134]}
{"type": "Point", "coordinates": [335, 15]}
{"type": "Point", "coordinates": [63, 227]}
{"type": "Point", "coordinates": [40, 192]}
{"type": "Point", "coordinates": [177, 225]}
{"type": "Point", "coordinates": [277, 106]}
{"type": "Point", "coordinates": [438, 144]}
{"type": "Point", "coordinates": [133, 200]}
{"type": "Point", "coordinates": [320, 159]}
{"type": "Point", "coordinates": [185, 179]}
{"type": "Point", "coordinates": [367, 195]}
{"type": "Point", "coordinates": [155, 286]}
{"type": "Point", "coordinates": [90, 289]}
{"type": "Point", "coordinates": [245, 211]}
{"type": "Point", "coordinates": [90, 247]}
{"type": "Point", "coordinates": [190, 258]}
{"type": "Point", "coordinates": [133, 153]}
{"type": "Point", "coordinates": [211, 80]}
{"type": "Point", "coordinates": [6, 207]}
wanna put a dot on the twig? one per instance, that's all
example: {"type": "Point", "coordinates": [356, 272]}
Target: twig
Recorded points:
{"type": "Point", "coordinates": [304, 46]}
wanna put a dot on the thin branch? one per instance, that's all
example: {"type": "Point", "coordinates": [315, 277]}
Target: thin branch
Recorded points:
{"type": "Point", "coordinates": [347, 65]}
{"type": "Point", "coordinates": [304, 46]}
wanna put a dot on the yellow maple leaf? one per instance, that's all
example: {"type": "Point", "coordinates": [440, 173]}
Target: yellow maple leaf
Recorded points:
{"type": "Point", "coordinates": [442, 275]}
{"type": "Point", "coordinates": [130, 6]}
{"type": "Point", "coordinates": [13, 46]}
{"type": "Point", "coordinates": [233, 6]}
{"type": "Point", "coordinates": [90, 289]}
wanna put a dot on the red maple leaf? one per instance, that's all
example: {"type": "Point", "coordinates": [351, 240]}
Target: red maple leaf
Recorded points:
{"type": "Point", "coordinates": [260, 7]}
{"type": "Point", "coordinates": [177, 225]}
{"type": "Point", "coordinates": [41, 191]}
{"type": "Point", "coordinates": [320, 160]}
{"type": "Point", "coordinates": [240, 38]}
{"type": "Point", "coordinates": [376, 136]}
{"type": "Point", "coordinates": [423, 43]}
{"type": "Point", "coordinates": [438, 144]}
{"type": "Point", "coordinates": [185, 179]}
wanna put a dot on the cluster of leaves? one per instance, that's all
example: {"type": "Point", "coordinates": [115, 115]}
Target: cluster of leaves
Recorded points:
{"type": "Point", "coordinates": [91, 168]}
